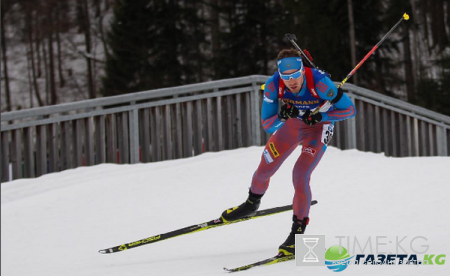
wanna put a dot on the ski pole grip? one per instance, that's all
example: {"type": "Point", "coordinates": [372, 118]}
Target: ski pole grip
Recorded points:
{"type": "Point", "coordinates": [290, 37]}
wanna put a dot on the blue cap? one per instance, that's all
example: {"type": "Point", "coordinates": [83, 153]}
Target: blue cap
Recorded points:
{"type": "Point", "coordinates": [290, 63]}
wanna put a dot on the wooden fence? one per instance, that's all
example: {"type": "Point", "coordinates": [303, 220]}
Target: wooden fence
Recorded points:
{"type": "Point", "coordinates": [184, 121]}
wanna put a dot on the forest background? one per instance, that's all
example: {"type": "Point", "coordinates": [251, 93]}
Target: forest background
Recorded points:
{"type": "Point", "coordinates": [58, 51]}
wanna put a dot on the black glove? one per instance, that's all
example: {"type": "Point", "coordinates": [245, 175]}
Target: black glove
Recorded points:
{"type": "Point", "coordinates": [311, 119]}
{"type": "Point", "coordinates": [288, 111]}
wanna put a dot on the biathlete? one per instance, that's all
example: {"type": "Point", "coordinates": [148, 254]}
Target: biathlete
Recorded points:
{"type": "Point", "coordinates": [301, 89]}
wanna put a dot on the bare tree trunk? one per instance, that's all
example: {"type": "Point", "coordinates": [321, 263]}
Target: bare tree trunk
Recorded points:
{"type": "Point", "coordinates": [415, 64]}
{"type": "Point", "coordinates": [379, 77]}
{"type": "Point", "coordinates": [214, 17]}
{"type": "Point", "coordinates": [51, 62]}
{"type": "Point", "coordinates": [30, 81]}
{"type": "Point", "coordinates": [100, 29]}
{"type": "Point", "coordinates": [194, 45]}
{"type": "Point", "coordinates": [29, 24]}
{"type": "Point", "coordinates": [352, 37]}
{"type": "Point", "coordinates": [38, 38]}
{"type": "Point", "coordinates": [5, 61]}
{"type": "Point", "coordinates": [87, 35]}
{"type": "Point", "coordinates": [448, 16]}
{"type": "Point", "coordinates": [408, 65]}
{"type": "Point", "coordinates": [438, 23]}
{"type": "Point", "coordinates": [107, 4]}
{"type": "Point", "coordinates": [200, 67]}
{"type": "Point", "coordinates": [46, 74]}
{"type": "Point", "coordinates": [425, 7]}
{"type": "Point", "coordinates": [97, 8]}
{"type": "Point", "coordinates": [62, 82]}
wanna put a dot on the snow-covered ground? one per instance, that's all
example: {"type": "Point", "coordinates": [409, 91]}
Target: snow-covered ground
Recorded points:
{"type": "Point", "coordinates": [55, 224]}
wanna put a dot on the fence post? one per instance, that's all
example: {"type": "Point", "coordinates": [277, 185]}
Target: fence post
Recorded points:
{"type": "Point", "coordinates": [133, 118]}
{"type": "Point", "coordinates": [416, 147]}
{"type": "Point", "coordinates": [441, 140]}
{"type": "Point", "coordinates": [29, 153]}
{"type": "Point", "coordinates": [377, 134]}
{"type": "Point", "coordinates": [255, 121]}
{"type": "Point", "coordinates": [5, 156]}
{"type": "Point", "coordinates": [350, 135]}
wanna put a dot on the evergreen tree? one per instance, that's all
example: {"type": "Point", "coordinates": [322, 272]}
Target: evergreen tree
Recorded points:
{"type": "Point", "coordinates": [167, 39]}
{"type": "Point", "coordinates": [153, 44]}
{"type": "Point", "coordinates": [378, 70]}
{"type": "Point", "coordinates": [247, 38]}
{"type": "Point", "coordinates": [321, 27]}
{"type": "Point", "coordinates": [127, 67]}
{"type": "Point", "coordinates": [434, 94]}
{"type": "Point", "coordinates": [195, 65]}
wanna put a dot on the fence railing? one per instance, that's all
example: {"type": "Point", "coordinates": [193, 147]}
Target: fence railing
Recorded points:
{"type": "Point", "coordinates": [183, 121]}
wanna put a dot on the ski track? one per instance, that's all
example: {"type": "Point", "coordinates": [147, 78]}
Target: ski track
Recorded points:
{"type": "Point", "coordinates": [55, 224]}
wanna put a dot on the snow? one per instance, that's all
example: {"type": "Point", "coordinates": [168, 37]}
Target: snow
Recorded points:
{"type": "Point", "coordinates": [55, 224]}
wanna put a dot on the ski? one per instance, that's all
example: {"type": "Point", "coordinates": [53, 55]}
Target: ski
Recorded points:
{"type": "Point", "coordinates": [276, 259]}
{"type": "Point", "coordinates": [195, 228]}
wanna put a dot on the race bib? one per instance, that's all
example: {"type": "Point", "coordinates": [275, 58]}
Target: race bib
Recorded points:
{"type": "Point", "coordinates": [327, 133]}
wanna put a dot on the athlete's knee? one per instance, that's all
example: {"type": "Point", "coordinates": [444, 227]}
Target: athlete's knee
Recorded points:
{"type": "Point", "coordinates": [300, 196]}
{"type": "Point", "coordinates": [300, 177]}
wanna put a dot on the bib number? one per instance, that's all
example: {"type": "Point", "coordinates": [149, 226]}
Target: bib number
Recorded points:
{"type": "Point", "coordinates": [327, 133]}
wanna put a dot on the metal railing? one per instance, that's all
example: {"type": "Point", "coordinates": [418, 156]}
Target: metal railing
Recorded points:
{"type": "Point", "coordinates": [183, 121]}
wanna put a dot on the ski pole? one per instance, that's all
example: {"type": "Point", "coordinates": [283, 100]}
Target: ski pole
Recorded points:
{"type": "Point", "coordinates": [292, 38]}
{"type": "Point", "coordinates": [326, 105]}
{"type": "Point", "coordinates": [404, 17]}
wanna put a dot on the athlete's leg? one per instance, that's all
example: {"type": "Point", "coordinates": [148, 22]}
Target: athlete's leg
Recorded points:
{"type": "Point", "coordinates": [315, 141]}
{"type": "Point", "coordinates": [277, 149]}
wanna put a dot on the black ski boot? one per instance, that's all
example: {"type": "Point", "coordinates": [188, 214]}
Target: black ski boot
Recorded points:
{"type": "Point", "coordinates": [246, 209]}
{"type": "Point", "coordinates": [298, 227]}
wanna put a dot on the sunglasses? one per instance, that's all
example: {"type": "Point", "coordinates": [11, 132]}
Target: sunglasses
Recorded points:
{"type": "Point", "coordinates": [295, 75]}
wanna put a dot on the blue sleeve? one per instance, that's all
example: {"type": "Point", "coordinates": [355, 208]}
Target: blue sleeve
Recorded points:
{"type": "Point", "coordinates": [269, 110]}
{"type": "Point", "coordinates": [343, 109]}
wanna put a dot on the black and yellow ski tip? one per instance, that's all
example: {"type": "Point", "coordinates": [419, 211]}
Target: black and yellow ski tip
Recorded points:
{"type": "Point", "coordinates": [277, 259]}
{"type": "Point", "coordinates": [405, 16]}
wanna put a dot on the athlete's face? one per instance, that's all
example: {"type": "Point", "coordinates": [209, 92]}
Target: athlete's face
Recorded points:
{"type": "Point", "coordinates": [294, 85]}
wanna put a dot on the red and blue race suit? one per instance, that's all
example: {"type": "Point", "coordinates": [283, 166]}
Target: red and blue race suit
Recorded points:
{"type": "Point", "coordinates": [293, 132]}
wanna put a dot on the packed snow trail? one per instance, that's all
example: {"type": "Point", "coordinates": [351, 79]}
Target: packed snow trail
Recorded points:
{"type": "Point", "coordinates": [54, 225]}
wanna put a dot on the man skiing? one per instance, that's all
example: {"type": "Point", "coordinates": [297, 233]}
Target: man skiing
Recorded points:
{"type": "Point", "coordinates": [302, 89]}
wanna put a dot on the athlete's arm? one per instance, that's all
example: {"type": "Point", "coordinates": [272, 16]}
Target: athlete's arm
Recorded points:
{"type": "Point", "coordinates": [269, 111]}
{"type": "Point", "coordinates": [343, 105]}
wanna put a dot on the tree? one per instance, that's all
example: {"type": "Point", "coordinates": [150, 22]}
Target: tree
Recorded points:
{"type": "Point", "coordinates": [169, 39]}
{"type": "Point", "coordinates": [59, 16]}
{"type": "Point", "coordinates": [48, 30]}
{"type": "Point", "coordinates": [85, 26]}
{"type": "Point", "coordinates": [322, 28]}
{"type": "Point", "coordinates": [5, 7]}
{"type": "Point", "coordinates": [214, 23]}
{"type": "Point", "coordinates": [127, 66]}
{"type": "Point", "coordinates": [377, 73]}
{"type": "Point", "coordinates": [162, 50]}
{"type": "Point", "coordinates": [28, 7]}
{"type": "Point", "coordinates": [352, 37]}
{"type": "Point", "coordinates": [248, 36]}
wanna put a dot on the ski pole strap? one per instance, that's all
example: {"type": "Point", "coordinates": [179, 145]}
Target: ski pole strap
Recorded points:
{"type": "Point", "coordinates": [281, 87]}
{"type": "Point", "coordinates": [310, 82]}
{"type": "Point", "coordinates": [339, 95]}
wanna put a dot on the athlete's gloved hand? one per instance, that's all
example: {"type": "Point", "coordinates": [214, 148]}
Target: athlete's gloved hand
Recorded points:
{"type": "Point", "coordinates": [288, 111]}
{"type": "Point", "coordinates": [311, 119]}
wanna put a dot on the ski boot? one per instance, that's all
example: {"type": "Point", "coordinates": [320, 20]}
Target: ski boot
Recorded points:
{"type": "Point", "coordinates": [298, 227]}
{"type": "Point", "coordinates": [246, 209]}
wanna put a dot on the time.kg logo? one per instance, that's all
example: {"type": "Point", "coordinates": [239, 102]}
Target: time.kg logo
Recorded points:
{"type": "Point", "coordinates": [337, 258]}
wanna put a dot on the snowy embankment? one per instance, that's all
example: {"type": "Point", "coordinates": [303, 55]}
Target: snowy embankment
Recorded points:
{"type": "Point", "coordinates": [55, 224]}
